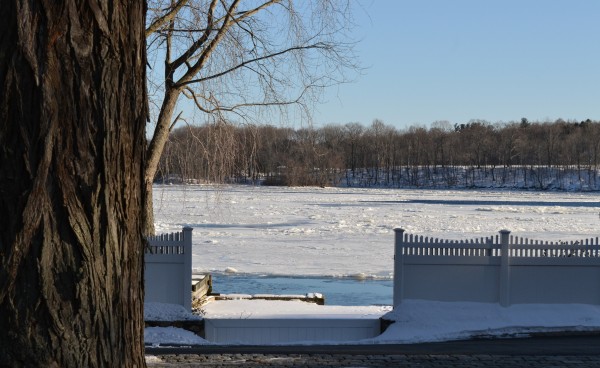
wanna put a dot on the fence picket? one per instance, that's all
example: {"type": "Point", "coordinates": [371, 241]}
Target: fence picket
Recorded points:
{"type": "Point", "coordinates": [170, 251]}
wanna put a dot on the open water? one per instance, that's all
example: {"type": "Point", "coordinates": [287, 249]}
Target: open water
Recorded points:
{"type": "Point", "coordinates": [337, 291]}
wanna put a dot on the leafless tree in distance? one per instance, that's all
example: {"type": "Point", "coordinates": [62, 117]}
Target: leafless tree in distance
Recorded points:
{"type": "Point", "coordinates": [239, 60]}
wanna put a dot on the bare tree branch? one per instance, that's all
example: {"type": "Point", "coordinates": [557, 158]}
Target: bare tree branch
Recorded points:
{"type": "Point", "coordinates": [176, 120]}
{"type": "Point", "coordinates": [166, 18]}
{"type": "Point", "coordinates": [245, 63]}
{"type": "Point", "coordinates": [196, 45]}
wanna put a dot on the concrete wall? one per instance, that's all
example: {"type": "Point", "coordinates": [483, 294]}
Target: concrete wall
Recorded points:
{"type": "Point", "coordinates": [287, 330]}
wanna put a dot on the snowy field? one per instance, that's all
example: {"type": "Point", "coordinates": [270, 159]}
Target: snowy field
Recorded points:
{"type": "Point", "coordinates": [348, 231]}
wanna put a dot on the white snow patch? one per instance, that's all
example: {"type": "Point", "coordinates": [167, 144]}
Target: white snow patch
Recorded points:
{"type": "Point", "coordinates": [426, 321]}
{"type": "Point", "coordinates": [257, 308]}
{"type": "Point", "coordinates": [153, 359]}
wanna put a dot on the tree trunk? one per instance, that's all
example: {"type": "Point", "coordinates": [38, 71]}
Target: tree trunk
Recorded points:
{"type": "Point", "coordinates": [155, 149]}
{"type": "Point", "coordinates": [72, 140]}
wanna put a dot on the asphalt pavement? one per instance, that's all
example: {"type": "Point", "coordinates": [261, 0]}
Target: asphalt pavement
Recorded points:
{"type": "Point", "coordinates": [578, 350]}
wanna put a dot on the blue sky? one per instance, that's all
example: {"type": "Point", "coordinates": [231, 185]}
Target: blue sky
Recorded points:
{"type": "Point", "coordinates": [428, 60]}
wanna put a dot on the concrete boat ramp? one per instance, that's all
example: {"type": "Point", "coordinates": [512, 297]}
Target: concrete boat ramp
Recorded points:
{"type": "Point", "coordinates": [283, 322]}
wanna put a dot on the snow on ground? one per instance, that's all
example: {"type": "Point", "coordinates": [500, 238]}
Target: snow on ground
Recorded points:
{"type": "Point", "coordinates": [167, 312]}
{"type": "Point", "coordinates": [415, 320]}
{"type": "Point", "coordinates": [425, 321]}
{"type": "Point", "coordinates": [157, 336]}
{"type": "Point", "coordinates": [169, 335]}
{"type": "Point", "coordinates": [349, 231]}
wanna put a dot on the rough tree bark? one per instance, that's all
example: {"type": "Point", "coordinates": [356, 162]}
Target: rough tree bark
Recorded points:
{"type": "Point", "coordinates": [72, 140]}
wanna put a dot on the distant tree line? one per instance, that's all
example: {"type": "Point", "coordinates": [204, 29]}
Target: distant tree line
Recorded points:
{"type": "Point", "coordinates": [542, 155]}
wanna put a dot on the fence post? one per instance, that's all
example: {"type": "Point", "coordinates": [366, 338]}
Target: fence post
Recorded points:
{"type": "Point", "coordinates": [504, 287]}
{"type": "Point", "coordinates": [187, 268]}
{"type": "Point", "coordinates": [398, 267]}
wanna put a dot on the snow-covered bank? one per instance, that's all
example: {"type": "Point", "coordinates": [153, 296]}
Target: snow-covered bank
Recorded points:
{"type": "Point", "coordinates": [415, 320]}
{"type": "Point", "coordinates": [426, 321]}
{"type": "Point", "coordinates": [516, 177]}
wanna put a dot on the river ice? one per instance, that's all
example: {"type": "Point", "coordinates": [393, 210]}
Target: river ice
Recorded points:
{"type": "Point", "coordinates": [349, 231]}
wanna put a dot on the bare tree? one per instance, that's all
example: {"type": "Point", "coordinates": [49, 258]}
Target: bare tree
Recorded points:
{"type": "Point", "coordinates": [443, 155]}
{"type": "Point", "coordinates": [354, 132]}
{"type": "Point", "coordinates": [72, 118]}
{"type": "Point", "coordinates": [239, 60]}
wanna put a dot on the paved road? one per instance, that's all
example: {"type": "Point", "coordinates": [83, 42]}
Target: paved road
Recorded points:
{"type": "Point", "coordinates": [548, 351]}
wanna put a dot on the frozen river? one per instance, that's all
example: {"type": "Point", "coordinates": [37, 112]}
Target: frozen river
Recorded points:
{"type": "Point", "coordinates": [337, 232]}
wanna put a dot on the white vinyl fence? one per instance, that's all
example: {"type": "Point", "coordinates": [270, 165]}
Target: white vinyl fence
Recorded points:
{"type": "Point", "coordinates": [497, 269]}
{"type": "Point", "coordinates": [168, 269]}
